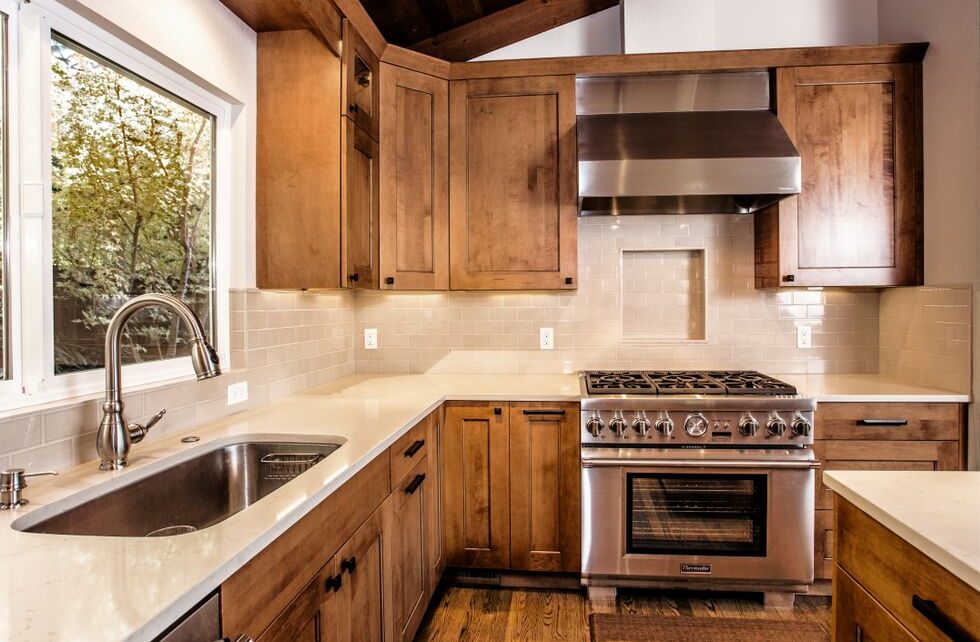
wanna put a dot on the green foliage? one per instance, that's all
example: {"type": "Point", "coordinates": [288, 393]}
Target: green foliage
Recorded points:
{"type": "Point", "coordinates": [131, 182]}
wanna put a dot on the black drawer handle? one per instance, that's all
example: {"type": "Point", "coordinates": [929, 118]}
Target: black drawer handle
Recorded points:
{"type": "Point", "coordinates": [554, 413]}
{"type": "Point", "coordinates": [349, 565]}
{"type": "Point", "coordinates": [414, 486]}
{"type": "Point", "coordinates": [334, 583]}
{"type": "Point", "coordinates": [414, 448]}
{"type": "Point", "coordinates": [940, 620]}
{"type": "Point", "coordinates": [882, 422]}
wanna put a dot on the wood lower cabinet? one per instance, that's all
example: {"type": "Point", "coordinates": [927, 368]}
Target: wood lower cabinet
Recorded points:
{"type": "Point", "coordinates": [298, 163]}
{"type": "Point", "coordinates": [414, 180]}
{"type": "Point", "coordinates": [858, 218]}
{"type": "Point", "coordinates": [407, 572]}
{"type": "Point", "coordinates": [434, 536]}
{"type": "Point", "coordinates": [513, 184]}
{"type": "Point", "coordinates": [858, 617]}
{"type": "Point", "coordinates": [545, 477]}
{"type": "Point", "coordinates": [300, 621]}
{"type": "Point", "coordinates": [360, 209]}
{"type": "Point", "coordinates": [512, 489]}
{"type": "Point", "coordinates": [880, 436]}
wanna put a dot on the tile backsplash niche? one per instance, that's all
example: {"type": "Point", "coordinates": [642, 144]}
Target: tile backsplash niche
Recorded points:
{"type": "Point", "coordinates": [654, 292]}
{"type": "Point", "coordinates": [281, 342]}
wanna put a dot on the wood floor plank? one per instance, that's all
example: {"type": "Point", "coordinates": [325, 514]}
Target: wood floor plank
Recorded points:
{"type": "Point", "coordinates": [478, 614]}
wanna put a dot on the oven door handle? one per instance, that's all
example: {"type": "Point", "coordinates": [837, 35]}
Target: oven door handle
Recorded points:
{"type": "Point", "coordinates": [697, 463]}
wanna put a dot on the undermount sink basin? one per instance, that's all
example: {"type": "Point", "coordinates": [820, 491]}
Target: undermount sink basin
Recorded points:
{"type": "Point", "coordinates": [186, 496]}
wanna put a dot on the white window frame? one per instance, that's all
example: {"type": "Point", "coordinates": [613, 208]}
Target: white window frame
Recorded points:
{"type": "Point", "coordinates": [32, 309]}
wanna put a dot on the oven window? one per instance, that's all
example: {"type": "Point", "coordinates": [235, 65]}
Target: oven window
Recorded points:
{"type": "Point", "coordinates": [670, 513]}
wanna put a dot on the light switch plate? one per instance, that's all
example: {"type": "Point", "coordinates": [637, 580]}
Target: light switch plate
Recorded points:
{"type": "Point", "coordinates": [804, 336]}
{"type": "Point", "coordinates": [547, 338]}
{"type": "Point", "coordinates": [370, 338]}
{"type": "Point", "coordinates": [237, 393]}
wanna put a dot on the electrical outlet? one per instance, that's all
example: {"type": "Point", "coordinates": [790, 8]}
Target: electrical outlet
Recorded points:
{"type": "Point", "coordinates": [804, 336]}
{"type": "Point", "coordinates": [370, 338]}
{"type": "Point", "coordinates": [237, 393]}
{"type": "Point", "coordinates": [547, 338]}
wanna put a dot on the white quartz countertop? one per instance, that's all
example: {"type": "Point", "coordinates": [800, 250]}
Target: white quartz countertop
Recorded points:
{"type": "Point", "coordinates": [58, 587]}
{"type": "Point", "coordinates": [936, 512]}
{"type": "Point", "coordinates": [868, 388]}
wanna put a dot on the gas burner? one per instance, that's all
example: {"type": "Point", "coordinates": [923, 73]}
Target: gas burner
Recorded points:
{"type": "Point", "coordinates": [684, 382]}
{"type": "Point", "coordinates": [607, 382]}
{"type": "Point", "coordinates": [749, 382]}
{"type": "Point", "coordinates": [670, 382]}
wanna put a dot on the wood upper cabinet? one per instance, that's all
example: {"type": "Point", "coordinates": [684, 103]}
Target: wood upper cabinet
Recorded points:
{"type": "Point", "coordinates": [513, 184]}
{"type": "Point", "coordinates": [476, 485]}
{"type": "Point", "coordinates": [407, 572]}
{"type": "Point", "coordinates": [297, 211]}
{"type": "Point", "coordinates": [545, 475]}
{"type": "Point", "coordinates": [360, 212]}
{"type": "Point", "coordinates": [415, 180]}
{"type": "Point", "coordinates": [361, 99]}
{"type": "Point", "coordinates": [858, 218]}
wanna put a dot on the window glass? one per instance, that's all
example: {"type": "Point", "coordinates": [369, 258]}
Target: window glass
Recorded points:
{"type": "Point", "coordinates": [4, 349]}
{"type": "Point", "coordinates": [132, 206]}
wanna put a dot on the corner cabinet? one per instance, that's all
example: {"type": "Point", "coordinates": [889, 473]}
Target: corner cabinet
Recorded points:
{"type": "Point", "coordinates": [858, 218]}
{"type": "Point", "coordinates": [513, 184]}
{"type": "Point", "coordinates": [415, 180]}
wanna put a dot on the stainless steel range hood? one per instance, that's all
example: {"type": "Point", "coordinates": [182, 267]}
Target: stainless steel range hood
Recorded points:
{"type": "Point", "coordinates": [681, 144]}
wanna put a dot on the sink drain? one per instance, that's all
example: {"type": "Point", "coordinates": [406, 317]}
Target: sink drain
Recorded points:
{"type": "Point", "coordinates": [180, 529]}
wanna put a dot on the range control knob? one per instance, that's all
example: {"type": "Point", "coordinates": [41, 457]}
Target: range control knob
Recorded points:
{"type": "Point", "coordinates": [748, 426]}
{"type": "Point", "coordinates": [618, 426]}
{"type": "Point", "coordinates": [801, 427]}
{"type": "Point", "coordinates": [594, 426]}
{"type": "Point", "coordinates": [696, 425]}
{"type": "Point", "coordinates": [664, 426]}
{"type": "Point", "coordinates": [641, 425]}
{"type": "Point", "coordinates": [776, 426]}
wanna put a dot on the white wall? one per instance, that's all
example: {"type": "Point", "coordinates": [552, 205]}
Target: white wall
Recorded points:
{"type": "Point", "coordinates": [652, 26]}
{"type": "Point", "coordinates": [205, 40]}
{"type": "Point", "coordinates": [598, 34]}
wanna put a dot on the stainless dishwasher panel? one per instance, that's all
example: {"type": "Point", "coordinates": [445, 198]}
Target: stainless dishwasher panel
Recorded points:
{"type": "Point", "coordinates": [203, 624]}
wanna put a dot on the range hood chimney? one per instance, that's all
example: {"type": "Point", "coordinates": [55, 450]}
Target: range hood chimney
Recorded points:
{"type": "Point", "coordinates": [681, 144]}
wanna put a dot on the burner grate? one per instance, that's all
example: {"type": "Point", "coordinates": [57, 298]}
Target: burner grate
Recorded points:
{"type": "Point", "coordinates": [684, 382]}
{"type": "Point", "coordinates": [605, 382]}
{"type": "Point", "coordinates": [750, 382]}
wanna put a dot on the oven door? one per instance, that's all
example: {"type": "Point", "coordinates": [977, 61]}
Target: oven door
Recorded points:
{"type": "Point", "coordinates": [742, 516]}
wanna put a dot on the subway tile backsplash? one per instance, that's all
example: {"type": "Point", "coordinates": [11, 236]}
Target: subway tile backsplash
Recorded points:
{"type": "Point", "coordinates": [461, 332]}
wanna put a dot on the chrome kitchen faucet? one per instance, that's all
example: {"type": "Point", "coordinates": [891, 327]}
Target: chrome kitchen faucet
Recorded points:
{"type": "Point", "coordinates": [115, 436]}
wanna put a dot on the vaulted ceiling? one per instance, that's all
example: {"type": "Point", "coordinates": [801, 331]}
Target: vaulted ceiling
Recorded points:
{"type": "Point", "coordinates": [458, 30]}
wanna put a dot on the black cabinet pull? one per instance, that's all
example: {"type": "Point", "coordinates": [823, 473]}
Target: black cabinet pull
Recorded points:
{"type": "Point", "coordinates": [414, 486]}
{"type": "Point", "coordinates": [353, 108]}
{"type": "Point", "coordinates": [558, 413]}
{"type": "Point", "coordinates": [389, 280]}
{"type": "Point", "coordinates": [498, 411]}
{"type": "Point", "coordinates": [349, 565]}
{"type": "Point", "coordinates": [940, 620]}
{"type": "Point", "coordinates": [355, 277]}
{"type": "Point", "coordinates": [334, 583]}
{"type": "Point", "coordinates": [789, 278]}
{"type": "Point", "coordinates": [878, 423]}
{"type": "Point", "coordinates": [414, 448]}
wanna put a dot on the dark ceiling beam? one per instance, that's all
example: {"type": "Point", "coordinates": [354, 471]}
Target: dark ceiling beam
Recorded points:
{"type": "Point", "coordinates": [507, 26]}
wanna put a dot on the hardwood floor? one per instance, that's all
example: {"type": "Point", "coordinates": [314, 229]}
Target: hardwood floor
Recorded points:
{"type": "Point", "coordinates": [480, 614]}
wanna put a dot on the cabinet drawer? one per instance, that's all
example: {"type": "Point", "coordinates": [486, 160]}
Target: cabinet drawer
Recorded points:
{"type": "Point", "coordinates": [892, 421]}
{"type": "Point", "coordinates": [900, 577]}
{"type": "Point", "coordinates": [858, 617]}
{"type": "Point", "coordinates": [881, 455]}
{"type": "Point", "coordinates": [408, 451]}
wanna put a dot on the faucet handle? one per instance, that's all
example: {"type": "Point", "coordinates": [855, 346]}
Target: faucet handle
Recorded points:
{"type": "Point", "coordinates": [137, 432]}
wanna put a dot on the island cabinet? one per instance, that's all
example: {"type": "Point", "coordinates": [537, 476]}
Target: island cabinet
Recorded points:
{"type": "Point", "coordinates": [858, 218]}
{"type": "Point", "coordinates": [513, 183]}
{"type": "Point", "coordinates": [880, 436]}
{"type": "Point", "coordinates": [511, 478]}
{"type": "Point", "coordinates": [887, 589]}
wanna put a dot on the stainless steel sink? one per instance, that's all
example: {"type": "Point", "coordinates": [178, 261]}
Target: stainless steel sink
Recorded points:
{"type": "Point", "coordinates": [187, 496]}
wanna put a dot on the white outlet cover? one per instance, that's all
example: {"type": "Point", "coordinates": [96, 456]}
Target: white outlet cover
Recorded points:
{"type": "Point", "coordinates": [370, 338]}
{"type": "Point", "coordinates": [804, 336]}
{"type": "Point", "coordinates": [237, 393]}
{"type": "Point", "coordinates": [547, 338]}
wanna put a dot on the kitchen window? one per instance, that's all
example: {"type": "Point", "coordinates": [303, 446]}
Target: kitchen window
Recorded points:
{"type": "Point", "coordinates": [123, 182]}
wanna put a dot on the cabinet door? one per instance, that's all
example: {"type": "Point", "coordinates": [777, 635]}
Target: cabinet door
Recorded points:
{"type": "Point", "coordinates": [300, 622]}
{"type": "Point", "coordinates": [361, 99]}
{"type": "Point", "coordinates": [415, 186]}
{"type": "Point", "coordinates": [545, 472]}
{"type": "Point", "coordinates": [298, 164]}
{"type": "Point", "coordinates": [858, 219]}
{"type": "Point", "coordinates": [407, 569]}
{"type": "Point", "coordinates": [858, 617]}
{"type": "Point", "coordinates": [476, 483]}
{"type": "Point", "coordinates": [361, 208]}
{"type": "Point", "coordinates": [434, 534]}
{"type": "Point", "coordinates": [513, 183]}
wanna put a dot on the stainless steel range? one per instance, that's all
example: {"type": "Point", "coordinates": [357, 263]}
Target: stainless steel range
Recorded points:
{"type": "Point", "coordinates": [697, 479]}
